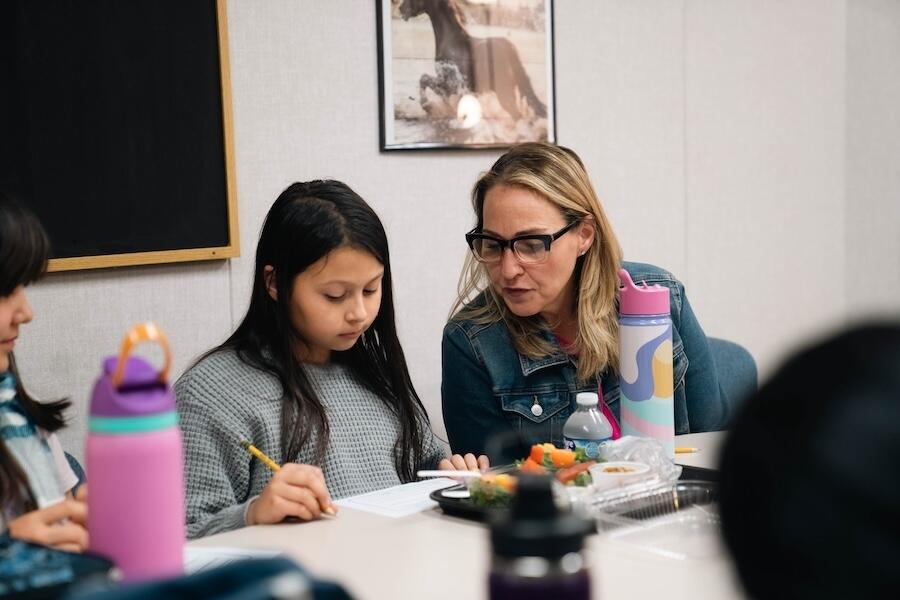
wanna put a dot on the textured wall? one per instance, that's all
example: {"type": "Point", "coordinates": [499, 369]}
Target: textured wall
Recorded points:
{"type": "Point", "coordinates": [873, 158]}
{"type": "Point", "coordinates": [747, 145]}
{"type": "Point", "coordinates": [765, 186]}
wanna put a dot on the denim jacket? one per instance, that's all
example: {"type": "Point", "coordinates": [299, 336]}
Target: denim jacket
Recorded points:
{"type": "Point", "coordinates": [487, 387]}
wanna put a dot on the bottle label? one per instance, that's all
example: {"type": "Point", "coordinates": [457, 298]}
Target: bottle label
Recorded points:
{"type": "Point", "coordinates": [591, 447]}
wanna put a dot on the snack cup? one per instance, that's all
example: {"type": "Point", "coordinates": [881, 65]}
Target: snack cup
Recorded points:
{"type": "Point", "coordinates": [608, 475]}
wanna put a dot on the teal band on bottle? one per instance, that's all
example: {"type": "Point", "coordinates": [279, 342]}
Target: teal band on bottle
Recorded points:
{"type": "Point", "coordinates": [132, 424]}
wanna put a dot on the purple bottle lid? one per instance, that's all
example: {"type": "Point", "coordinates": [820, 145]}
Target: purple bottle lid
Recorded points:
{"type": "Point", "coordinates": [142, 391]}
{"type": "Point", "coordinates": [643, 299]}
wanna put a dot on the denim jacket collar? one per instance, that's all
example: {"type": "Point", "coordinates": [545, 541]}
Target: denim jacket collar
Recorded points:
{"type": "Point", "coordinates": [530, 365]}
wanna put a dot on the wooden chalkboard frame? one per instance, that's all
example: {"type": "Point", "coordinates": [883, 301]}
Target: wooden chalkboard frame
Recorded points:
{"type": "Point", "coordinates": [232, 249]}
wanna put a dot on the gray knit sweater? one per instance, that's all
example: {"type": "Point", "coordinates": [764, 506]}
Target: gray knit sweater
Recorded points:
{"type": "Point", "coordinates": [223, 400]}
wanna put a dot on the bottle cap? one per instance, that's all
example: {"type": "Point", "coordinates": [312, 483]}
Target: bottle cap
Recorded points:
{"type": "Point", "coordinates": [642, 300]}
{"type": "Point", "coordinates": [140, 393]}
{"type": "Point", "coordinates": [589, 399]}
{"type": "Point", "coordinates": [129, 386]}
{"type": "Point", "coordinates": [534, 526]}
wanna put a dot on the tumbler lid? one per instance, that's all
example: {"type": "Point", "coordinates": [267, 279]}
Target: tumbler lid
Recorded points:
{"type": "Point", "coordinates": [642, 299]}
{"type": "Point", "coordinates": [129, 386]}
{"type": "Point", "coordinates": [535, 526]}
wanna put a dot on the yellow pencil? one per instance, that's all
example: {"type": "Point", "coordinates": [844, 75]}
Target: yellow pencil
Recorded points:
{"type": "Point", "coordinates": [274, 466]}
{"type": "Point", "coordinates": [686, 450]}
{"type": "Point", "coordinates": [261, 456]}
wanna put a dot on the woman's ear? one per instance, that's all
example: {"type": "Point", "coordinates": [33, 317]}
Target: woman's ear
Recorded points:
{"type": "Point", "coordinates": [269, 279]}
{"type": "Point", "coordinates": [585, 234]}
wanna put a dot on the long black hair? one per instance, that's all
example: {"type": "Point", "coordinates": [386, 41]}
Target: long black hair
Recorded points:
{"type": "Point", "coordinates": [24, 250]}
{"type": "Point", "coordinates": [306, 222]}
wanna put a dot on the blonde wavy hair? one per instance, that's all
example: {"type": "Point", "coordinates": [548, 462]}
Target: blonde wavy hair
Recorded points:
{"type": "Point", "coordinates": [557, 174]}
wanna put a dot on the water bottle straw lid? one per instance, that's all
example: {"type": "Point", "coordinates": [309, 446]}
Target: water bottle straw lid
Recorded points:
{"type": "Point", "coordinates": [641, 299]}
{"type": "Point", "coordinates": [142, 332]}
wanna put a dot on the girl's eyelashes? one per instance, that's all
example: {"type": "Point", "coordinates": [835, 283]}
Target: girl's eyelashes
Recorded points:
{"type": "Point", "coordinates": [333, 298]}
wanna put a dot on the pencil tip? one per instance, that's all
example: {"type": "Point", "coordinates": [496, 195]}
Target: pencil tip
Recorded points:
{"type": "Point", "coordinates": [245, 443]}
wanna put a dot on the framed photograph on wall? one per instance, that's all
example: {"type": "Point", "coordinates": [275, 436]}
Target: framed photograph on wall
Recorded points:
{"type": "Point", "coordinates": [465, 73]}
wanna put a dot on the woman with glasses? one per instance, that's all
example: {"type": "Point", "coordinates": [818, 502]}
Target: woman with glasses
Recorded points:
{"type": "Point", "coordinates": [536, 319]}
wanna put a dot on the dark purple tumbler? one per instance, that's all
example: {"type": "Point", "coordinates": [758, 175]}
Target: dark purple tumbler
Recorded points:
{"type": "Point", "coordinates": [537, 551]}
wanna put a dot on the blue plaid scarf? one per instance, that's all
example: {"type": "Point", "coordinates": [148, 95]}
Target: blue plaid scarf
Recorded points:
{"type": "Point", "coordinates": [28, 446]}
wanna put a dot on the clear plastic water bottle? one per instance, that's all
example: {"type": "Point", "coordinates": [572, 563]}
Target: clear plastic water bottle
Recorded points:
{"type": "Point", "coordinates": [587, 427]}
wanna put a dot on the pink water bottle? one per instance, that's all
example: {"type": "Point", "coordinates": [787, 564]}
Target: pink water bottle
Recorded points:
{"type": "Point", "coordinates": [134, 465]}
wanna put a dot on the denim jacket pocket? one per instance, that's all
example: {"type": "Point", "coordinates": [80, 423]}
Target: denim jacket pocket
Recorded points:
{"type": "Point", "coordinates": [552, 410]}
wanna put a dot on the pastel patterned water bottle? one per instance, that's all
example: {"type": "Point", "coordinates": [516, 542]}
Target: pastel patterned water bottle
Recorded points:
{"type": "Point", "coordinates": [134, 464]}
{"type": "Point", "coordinates": [646, 379]}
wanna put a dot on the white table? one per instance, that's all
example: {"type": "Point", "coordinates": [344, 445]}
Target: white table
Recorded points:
{"type": "Point", "coordinates": [709, 445]}
{"type": "Point", "coordinates": [430, 555]}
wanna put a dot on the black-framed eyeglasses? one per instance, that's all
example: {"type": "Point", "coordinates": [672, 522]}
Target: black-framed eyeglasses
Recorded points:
{"type": "Point", "coordinates": [528, 249]}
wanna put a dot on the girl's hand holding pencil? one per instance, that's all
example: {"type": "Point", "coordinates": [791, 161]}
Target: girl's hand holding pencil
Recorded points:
{"type": "Point", "coordinates": [295, 490]}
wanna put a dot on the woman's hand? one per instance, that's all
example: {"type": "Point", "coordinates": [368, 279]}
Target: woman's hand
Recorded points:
{"type": "Point", "coordinates": [294, 491]}
{"type": "Point", "coordinates": [465, 463]}
{"type": "Point", "coordinates": [61, 526]}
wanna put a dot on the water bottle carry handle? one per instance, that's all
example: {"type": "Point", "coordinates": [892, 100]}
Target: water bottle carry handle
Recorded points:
{"type": "Point", "coordinates": [142, 332]}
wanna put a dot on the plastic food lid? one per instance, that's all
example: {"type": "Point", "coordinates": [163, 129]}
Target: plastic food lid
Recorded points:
{"type": "Point", "coordinates": [534, 526]}
{"type": "Point", "coordinates": [642, 300]}
{"type": "Point", "coordinates": [587, 399]}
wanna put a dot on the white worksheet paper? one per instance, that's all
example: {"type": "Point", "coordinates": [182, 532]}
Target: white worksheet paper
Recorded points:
{"type": "Point", "coordinates": [201, 558]}
{"type": "Point", "coordinates": [399, 501]}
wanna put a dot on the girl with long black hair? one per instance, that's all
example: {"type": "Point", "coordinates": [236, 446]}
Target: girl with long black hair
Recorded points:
{"type": "Point", "coordinates": [36, 480]}
{"type": "Point", "coordinates": [314, 376]}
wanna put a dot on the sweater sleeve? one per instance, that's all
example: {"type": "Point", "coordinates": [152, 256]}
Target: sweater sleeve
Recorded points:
{"type": "Point", "coordinates": [216, 468]}
{"type": "Point", "coordinates": [433, 452]}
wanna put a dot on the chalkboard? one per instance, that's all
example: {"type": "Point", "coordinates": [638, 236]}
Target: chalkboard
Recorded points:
{"type": "Point", "coordinates": [115, 127]}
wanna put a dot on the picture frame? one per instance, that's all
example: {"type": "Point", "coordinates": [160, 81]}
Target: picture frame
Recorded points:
{"type": "Point", "coordinates": [486, 79]}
